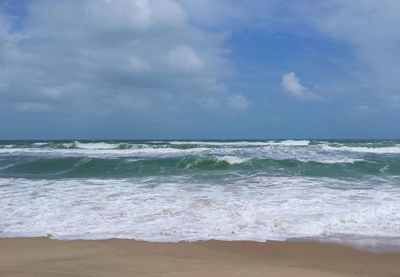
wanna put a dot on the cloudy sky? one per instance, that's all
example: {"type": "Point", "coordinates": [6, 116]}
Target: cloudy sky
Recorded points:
{"type": "Point", "coordinates": [199, 69]}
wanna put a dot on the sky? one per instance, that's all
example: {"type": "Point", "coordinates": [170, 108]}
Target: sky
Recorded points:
{"type": "Point", "coordinates": [224, 69]}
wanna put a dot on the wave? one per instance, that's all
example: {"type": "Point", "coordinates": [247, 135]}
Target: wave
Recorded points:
{"type": "Point", "coordinates": [192, 147]}
{"type": "Point", "coordinates": [234, 190]}
{"type": "Point", "coordinates": [243, 143]}
{"type": "Point", "coordinates": [73, 145]}
{"type": "Point", "coordinates": [142, 158]}
{"type": "Point", "coordinates": [91, 151]}
{"type": "Point", "coordinates": [374, 150]}
{"type": "Point", "coordinates": [175, 208]}
{"type": "Point", "coordinates": [39, 144]}
{"type": "Point", "coordinates": [85, 167]}
{"type": "Point", "coordinates": [99, 145]}
{"type": "Point", "coordinates": [100, 149]}
{"type": "Point", "coordinates": [332, 160]}
{"type": "Point", "coordinates": [232, 159]}
{"type": "Point", "coordinates": [96, 145]}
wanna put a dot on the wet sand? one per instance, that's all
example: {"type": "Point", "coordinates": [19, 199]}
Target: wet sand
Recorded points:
{"type": "Point", "coordinates": [44, 257]}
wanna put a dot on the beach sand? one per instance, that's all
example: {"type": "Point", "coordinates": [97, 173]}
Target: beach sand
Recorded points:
{"type": "Point", "coordinates": [45, 257]}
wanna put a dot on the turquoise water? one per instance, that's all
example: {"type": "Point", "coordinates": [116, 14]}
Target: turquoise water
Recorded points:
{"type": "Point", "coordinates": [123, 159]}
{"type": "Point", "coordinates": [190, 190]}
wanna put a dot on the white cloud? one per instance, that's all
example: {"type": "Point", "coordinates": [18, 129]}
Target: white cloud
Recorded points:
{"type": "Point", "coordinates": [239, 102]}
{"type": "Point", "coordinates": [364, 111]}
{"type": "Point", "coordinates": [371, 27]}
{"type": "Point", "coordinates": [104, 55]}
{"type": "Point", "coordinates": [34, 107]}
{"type": "Point", "coordinates": [235, 14]}
{"type": "Point", "coordinates": [185, 58]}
{"type": "Point", "coordinates": [291, 84]}
{"type": "Point", "coordinates": [137, 65]}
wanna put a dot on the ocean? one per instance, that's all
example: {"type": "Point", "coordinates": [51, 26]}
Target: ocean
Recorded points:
{"type": "Point", "coordinates": [343, 191]}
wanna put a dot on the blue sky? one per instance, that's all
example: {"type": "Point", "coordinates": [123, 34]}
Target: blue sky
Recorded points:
{"type": "Point", "coordinates": [199, 69]}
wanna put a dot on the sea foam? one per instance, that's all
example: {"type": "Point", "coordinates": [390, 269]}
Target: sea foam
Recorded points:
{"type": "Point", "coordinates": [173, 209]}
{"type": "Point", "coordinates": [376, 150]}
{"type": "Point", "coordinates": [199, 190]}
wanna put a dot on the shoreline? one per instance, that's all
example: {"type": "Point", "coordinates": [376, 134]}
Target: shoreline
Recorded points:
{"type": "Point", "coordinates": [120, 257]}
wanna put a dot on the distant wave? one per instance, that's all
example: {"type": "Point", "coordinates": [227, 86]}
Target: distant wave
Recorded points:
{"type": "Point", "coordinates": [376, 150]}
{"type": "Point", "coordinates": [120, 167]}
{"type": "Point", "coordinates": [243, 143]}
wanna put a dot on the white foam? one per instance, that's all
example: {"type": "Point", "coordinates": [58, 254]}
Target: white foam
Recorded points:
{"type": "Point", "coordinates": [331, 160]}
{"type": "Point", "coordinates": [68, 144]}
{"type": "Point", "coordinates": [232, 155]}
{"type": "Point", "coordinates": [39, 143]}
{"type": "Point", "coordinates": [173, 209]}
{"type": "Point", "coordinates": [95, 151]}
{"type": "Point", "coordinates": [232, 159]}
{"type": "Point", "coordinates": [243, 143]}
{"type": "Point", "coordinates": [376, 150]}
{"type": "Point", "coordinates": [7, 145]}
{"type": "Point", "coordinates": [292, 143]}
{"type": "Point", "coordinates": [96, 145]}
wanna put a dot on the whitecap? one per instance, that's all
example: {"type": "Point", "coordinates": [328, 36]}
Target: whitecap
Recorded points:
{"type": "Point", "coordinates": [376, 150]}
{"type": "Point", "coordinates": [243, 143]}
{"type": "Point", "coordinates": [232, 159]}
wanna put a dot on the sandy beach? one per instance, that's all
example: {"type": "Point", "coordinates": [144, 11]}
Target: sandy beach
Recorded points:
{"type": "Point", "coordinates": [45, 257]}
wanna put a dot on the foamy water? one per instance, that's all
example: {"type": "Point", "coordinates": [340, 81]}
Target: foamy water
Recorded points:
{"type": "Point", "coordinates": [199, 190]}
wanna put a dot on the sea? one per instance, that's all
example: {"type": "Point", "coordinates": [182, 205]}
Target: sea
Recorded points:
{"type": "Point", "coordinates": [345, 191]}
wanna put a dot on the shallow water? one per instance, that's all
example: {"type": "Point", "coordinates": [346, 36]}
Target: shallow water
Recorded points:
{"type": "Point", "coordinates": [198, 190]}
